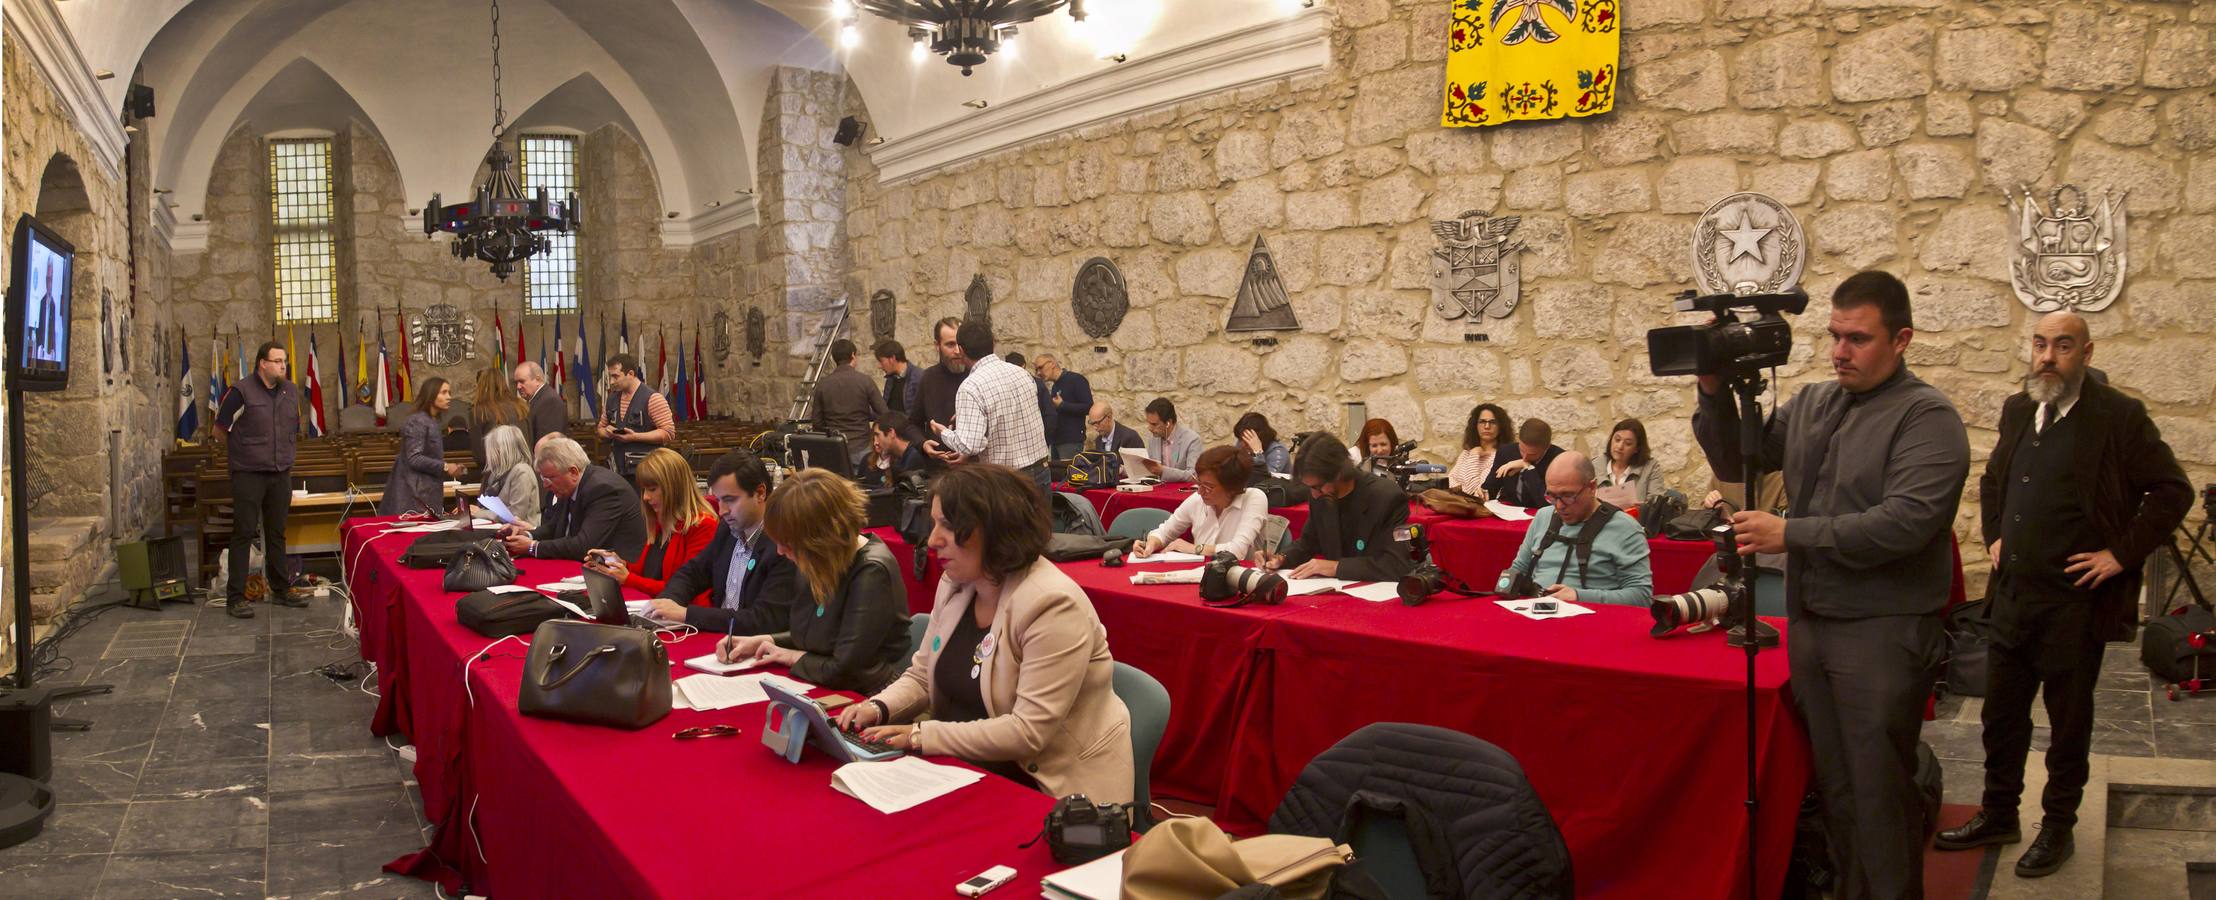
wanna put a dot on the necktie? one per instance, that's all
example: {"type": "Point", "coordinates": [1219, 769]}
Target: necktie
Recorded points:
{"type": "Point", "coordinates": [2046, 416]}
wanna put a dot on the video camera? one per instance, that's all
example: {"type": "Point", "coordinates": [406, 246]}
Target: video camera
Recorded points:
{"type": "Point", "coordinates": [1728, 346]}
{"type": "Point", "coordinates": [1405, 472]}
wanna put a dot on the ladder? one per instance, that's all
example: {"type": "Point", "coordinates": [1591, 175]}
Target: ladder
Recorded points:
{"type": "Point", "coordinates": [834, 323]}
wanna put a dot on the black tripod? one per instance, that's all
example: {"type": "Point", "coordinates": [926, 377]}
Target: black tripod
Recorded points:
{"type": "Point", "coordinates": [1747, 632]}
{"type": "Point", "coordinates": [2196, 547]}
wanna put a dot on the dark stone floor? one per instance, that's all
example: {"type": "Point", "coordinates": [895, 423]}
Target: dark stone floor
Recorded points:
{"type": "Point", "coordinates": [223, 765]}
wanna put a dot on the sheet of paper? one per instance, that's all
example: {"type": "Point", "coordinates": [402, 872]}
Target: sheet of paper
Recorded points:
{"type": "Point", "coordinates": [1167, 556]}
{"type": "Point", "coordinates": [1299, 587]}
{"type": "Point", "coordinates": [1375, 592]}
{"type": "Point", "coordinates": [706, 662]}
{"type": "Point", "coordinates": [499, 510]}
{"type": "Point", "coordinates": [573, 608]}
{"type": "Point", "coordinates": [900, 783]}
{"type": "Point", "coordinates": [1508, 513]}
{"type": "Point", "coordinates": [509, 589]}
{"type": "Point", "coordinates": [1134, 462]}
{"type": "Point", "coordinates": [566, 584]}
{"type": "Point", "coordinates": [724, 692]}
{"type": "Point", "coordinates": [1101, 879]}
{"type": "Point", "coordinates": [1182, 576]}
{"type": "Point", "coordinates": [1562, 610]}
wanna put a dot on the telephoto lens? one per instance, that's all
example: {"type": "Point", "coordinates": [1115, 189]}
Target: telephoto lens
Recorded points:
{"type": "Point", "coordinates": [1701, 609]}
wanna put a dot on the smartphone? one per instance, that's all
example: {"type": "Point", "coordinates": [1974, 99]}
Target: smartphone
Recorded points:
{"type": "Point", "coordinates": [828, 704]}
{"type": "Point", "coordinates": [1545, 607]}
{"type": "Point", "coordinates": [985, 881]}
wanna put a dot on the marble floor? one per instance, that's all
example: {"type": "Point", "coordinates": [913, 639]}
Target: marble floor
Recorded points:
{"type": "Point", "coordinates": [223, 765]}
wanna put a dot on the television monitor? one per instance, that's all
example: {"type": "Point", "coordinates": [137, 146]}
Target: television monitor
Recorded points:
{"type": "Point", "coordinates": [811, 450]}
{"type": "Point", "coordinates": [38, 306]}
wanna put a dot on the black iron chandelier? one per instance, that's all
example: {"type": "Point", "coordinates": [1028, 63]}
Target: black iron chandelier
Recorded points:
{"type": "Point", "coordinates": [501, 227]}
{"type": "Point", "coordinates": [963, 31]}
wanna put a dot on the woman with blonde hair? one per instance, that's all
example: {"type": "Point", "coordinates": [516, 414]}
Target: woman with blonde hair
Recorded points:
{"type": "Point", "coordinates": [849, 626]}
{"type": "Point", "coordinates": [492, 405]}
{"type": "Point", "coordinates": [508, 476]}
{"type": "Point", "coordinates": [678, 526]}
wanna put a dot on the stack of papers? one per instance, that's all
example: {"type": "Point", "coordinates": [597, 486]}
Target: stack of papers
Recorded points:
{"type": "Point", "coordinates": [1134, 462]}
{"type": "Point", "coordinates": [1375, 591]}
{"type": "Point", "coordinates": [706, 662]}
{"type": "Point", "coordinates": [1181, 576]}
{"type": "Point", "coordinates": [1298, 587]}
{"type": "Point", "coordinates": [904, 782]}
{"type": "Point", "coordinates": [1508, 513]}
{"type": "Point", "coordinates": [1562, 609]}
{"type": "Point", "coordinates": [709, 692]}
{"type": "Point", "coordinates": [1101, 879]}
{"type": "Point", "coordinates": [1167, 556]}
{"type": "Point", "coordinates": [572, 583]}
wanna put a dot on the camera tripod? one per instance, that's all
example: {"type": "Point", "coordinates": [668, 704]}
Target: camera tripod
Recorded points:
{"type": "Point", "coordinates": [2196, 547]}
{"type": "Point", "coordinates": [1748, 632]}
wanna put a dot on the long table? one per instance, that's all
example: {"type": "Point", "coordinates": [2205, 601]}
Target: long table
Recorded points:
{"type": "Point", "coordinates": [1636, 744]}
{"type": "Point", "coordinates": [530, 807]}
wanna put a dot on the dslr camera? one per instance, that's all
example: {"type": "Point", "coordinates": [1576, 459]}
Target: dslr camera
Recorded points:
{"type": "Point", "coordinates": [1732, 345]}
{"type": "Point", "coordinates": [1080, 831]}
{"type": "Point", "coordinates": [1417, 587]}
{"type": "Point", "coordinates": [1225, 583]}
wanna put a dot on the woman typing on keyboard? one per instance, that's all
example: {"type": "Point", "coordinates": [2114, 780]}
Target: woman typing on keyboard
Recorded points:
{"type": "Point", "coordinates": [849, 626]}
{"type": "Point", "coordinates": [1014, 670]}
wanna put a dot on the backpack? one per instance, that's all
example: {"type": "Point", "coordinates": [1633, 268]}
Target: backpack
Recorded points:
{"type": "Point", "coordinates": [1658, 511]}
{"type": "Point", "coordinates": [1278, 492]}
{"type": "Point", "coordinates": [1091, 469]}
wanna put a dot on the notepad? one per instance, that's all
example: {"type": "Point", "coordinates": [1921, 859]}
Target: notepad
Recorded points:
{"type": "Point", "coordinates": [1563, 609]}
{"type": "Point", "coordinates": [1167, 556]}
{"type": "Point", "coordinates": [902, 782]}
{"type": "Point", "coordinates": [723, 692]}
{"type": "Point", "coordinates": [1101, 879]}
{"type": "Point", "coordinates": [1508, 512]}
{"type": "Point", "coordinates": [1375, 592]}
{"type": "Point", "coordinates": [706, 662]}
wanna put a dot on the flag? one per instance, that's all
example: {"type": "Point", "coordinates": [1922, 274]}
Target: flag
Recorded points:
{"type": "Point", "coordinates": [364, 393]}
{"type": "Point", "coordinates": [699, 378]}
{"type": "Point", "coordinates": [344, 391]}
{"type": "Point", "coordinates": [623, 333]}
{"type": "Point", "coordinates": [661, 361]}
{"type": "Point", "coordinates": [188, 412]}
{"type": "Point", "coordinates": [500, 343]}
{"type": "Point", "coordinates": [383, 398]}
{"type": "Point", "coordinates": [407, 372]}
{"type": "Point", "coordinates": [560, 365]}
{"type": "Point", "coordinates": [289, 355]}
{"type": "Point", "coordinates": [315, 390]}
{"type": "Point", "coordinates": [1529, 59]}
{"type": "Point", "coordinates": [216, 387]}
{"type": "Point", "coordinates": [542, 353]}
{"type": "Point", "coordinates": [588, 387]}
{"type": "Point", "coordinates": [521, 355]}
{"type": "Point", "coordinates": [238, 363]}
{"type": "Point", "coordinates": [680, 403]}
{"type": "Point", "coordinates": [223, 372]}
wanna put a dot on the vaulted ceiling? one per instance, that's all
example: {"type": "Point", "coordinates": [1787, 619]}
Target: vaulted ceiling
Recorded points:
{"type": "Point", "coordinates": [687, 78]}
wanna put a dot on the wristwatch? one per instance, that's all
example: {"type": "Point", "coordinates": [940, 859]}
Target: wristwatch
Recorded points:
{"type": "Point", "coordinates": [533, 551]}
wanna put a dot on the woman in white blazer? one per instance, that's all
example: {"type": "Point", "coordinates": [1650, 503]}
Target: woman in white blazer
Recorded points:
{"type": "Point", "coordinates": [1223, 514]}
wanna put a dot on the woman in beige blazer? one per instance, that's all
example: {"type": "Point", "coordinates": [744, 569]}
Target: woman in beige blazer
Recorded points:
{"type": "Point", "coordinates": [1014, 672]}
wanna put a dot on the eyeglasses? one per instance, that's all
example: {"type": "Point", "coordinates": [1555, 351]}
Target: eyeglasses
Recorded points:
{"type": "Point", "coordinates": [1488, 421]}
{"type": "Point", "coordinates": [1558, 498]}
{"type": "Point", "coordinates": [706, 731]}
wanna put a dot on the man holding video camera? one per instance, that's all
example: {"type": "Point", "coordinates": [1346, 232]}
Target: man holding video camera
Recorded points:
{"type": "Point", "coordinates": [1874, 464]}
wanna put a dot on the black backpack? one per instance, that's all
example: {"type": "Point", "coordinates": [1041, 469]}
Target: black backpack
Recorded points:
{"type": "Point", "coordinates": [1658, 512]}
{"type": "Point", "coordinates": [436, 549]}
{"type": "Point", "coordinates": [1278, 492]}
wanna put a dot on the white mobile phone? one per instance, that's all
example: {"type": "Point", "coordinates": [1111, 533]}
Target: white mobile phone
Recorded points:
{"type": "Point", "coordinates": [985, 881]}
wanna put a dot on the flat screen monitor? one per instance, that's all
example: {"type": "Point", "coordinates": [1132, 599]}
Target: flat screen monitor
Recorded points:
{"type": "Point", "coordinates": [38, 307]}
{"type": "Point", "coordinates": [811, 450]}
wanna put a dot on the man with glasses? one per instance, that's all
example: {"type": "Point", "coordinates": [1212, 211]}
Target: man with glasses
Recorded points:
{"type": "Point", "coordinates": [597, 508]}
{"type": "Point", "coordinates": [1103, 438]}
{"type": "Point", "coordinates": [1351, 519]}
{"type": "Point", "coordinates": [1579, 547]}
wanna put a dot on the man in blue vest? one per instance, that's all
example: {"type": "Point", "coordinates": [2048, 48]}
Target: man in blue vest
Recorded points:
{"type": "Point", "coordinates": [259, 424]}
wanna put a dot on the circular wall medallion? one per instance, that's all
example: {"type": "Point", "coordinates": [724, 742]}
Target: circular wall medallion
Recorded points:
{"type": "Point", "coordinates": [1099, 298]}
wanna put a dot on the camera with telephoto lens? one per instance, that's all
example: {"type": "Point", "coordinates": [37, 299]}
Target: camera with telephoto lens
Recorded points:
{"type": "Point", "coordinates": [1704, 608]}
{"type": "Point", "coordinates": [1080, 831]}
{"type": "Point", "coordinates": [1226, 583]}
{"type": "Point", "coordinates": [1417, 587]}
{"type": "Point", "coordinates": [1728, 346]}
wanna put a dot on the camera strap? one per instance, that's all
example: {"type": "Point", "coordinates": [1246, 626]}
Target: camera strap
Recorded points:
{"type": "Point", "coordinates": [1581, 546]}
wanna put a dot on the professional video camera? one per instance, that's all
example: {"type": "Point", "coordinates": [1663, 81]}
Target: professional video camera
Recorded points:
{"type": "Point", "coordinates": [1427, 578]}
{"type": "Point", "coordinates": [1226, 583]}
{"type": "Point", "coordinates": [1728, 346]}
{"type": "Point", "coordinates": [1413, 476]}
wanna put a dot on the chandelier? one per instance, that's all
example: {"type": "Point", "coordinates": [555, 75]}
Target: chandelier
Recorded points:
{"type": "Point", "coordinates": [500, 227]}
{"type": "Point", "coordinates": [963, 31]}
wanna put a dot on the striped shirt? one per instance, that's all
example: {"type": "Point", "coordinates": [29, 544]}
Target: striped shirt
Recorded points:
{"type": "Point", "coordinates": [996, 411]}
{"type": "Point", "coordinates": [657, 411]}
{"type": "Point", "coordinates": [1470, 469]}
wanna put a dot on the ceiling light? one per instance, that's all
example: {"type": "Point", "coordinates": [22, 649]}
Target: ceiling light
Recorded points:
{"type": "Point", "coordinates": [841, 9]}
{"type": "Point", "coordinates": [499, 226]}
{"type": "Point", "coordinates": [966, 32]}
{"type": "Point", "coordinates": [849, 36]}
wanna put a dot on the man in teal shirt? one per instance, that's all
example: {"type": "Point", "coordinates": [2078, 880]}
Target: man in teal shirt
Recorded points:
{"type": "Point", "coordinates": [1616, 571]}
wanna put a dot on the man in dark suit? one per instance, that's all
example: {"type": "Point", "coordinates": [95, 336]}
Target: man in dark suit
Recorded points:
{"type": "Point", "coordinates": [899, 447]}
{"type": "Point", "coordinates": [548, 414]}
{"type": "Point", "coordinates": [2078, 493]}
{"type": "Point", "coordinates": [1522, 480]}
{"type": "Point", "coordinates": [1351, 519]}
{"type": "Point", "coordinates": [1072, 398]}
{"type": "Point", "coordinates": [1106, 435]}
{"type": "Point", "coordinates": [750, 586]}
{"type": "Point", "coordinates": [597, 509]}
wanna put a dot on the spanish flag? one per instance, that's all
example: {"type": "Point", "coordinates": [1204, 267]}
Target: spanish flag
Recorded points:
{"type": "Point", "coordinates": [1511, 60]}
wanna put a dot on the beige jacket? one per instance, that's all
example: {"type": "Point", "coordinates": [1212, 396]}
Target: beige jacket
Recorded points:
{"type": "Point", "coordinates": [1048, 688]}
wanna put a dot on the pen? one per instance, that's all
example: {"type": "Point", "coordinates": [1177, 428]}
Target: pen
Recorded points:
{"type": "Point", "coordinates": [730, 631]}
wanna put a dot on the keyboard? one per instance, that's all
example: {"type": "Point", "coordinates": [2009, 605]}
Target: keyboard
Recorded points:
{"type": "Point", "coordinates": [872, 748]}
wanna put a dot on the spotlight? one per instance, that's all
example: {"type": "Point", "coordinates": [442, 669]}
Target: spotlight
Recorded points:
{"type": "Point", "coordinates": [849, 36]}
{"type": "Point", "coordinates": [921, 53]}
{"type": "Point", "coordinates": [841, 9]}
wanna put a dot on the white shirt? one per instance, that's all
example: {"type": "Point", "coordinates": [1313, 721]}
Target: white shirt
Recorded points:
{"type": "Point", "coordinates": [2050, 413]}
{"type": "Point", "coordinates": [1233, 531]}
{"type": "Point", "coordinates": [997, 409]}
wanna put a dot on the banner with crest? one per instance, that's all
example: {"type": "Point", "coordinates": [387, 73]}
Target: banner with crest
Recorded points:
{"type": "Point", "coordinates": [1511, 60]}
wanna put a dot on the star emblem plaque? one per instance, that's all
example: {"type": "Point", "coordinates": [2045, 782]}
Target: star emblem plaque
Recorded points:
{"type": "Point", "coordinates": [1748, 243]}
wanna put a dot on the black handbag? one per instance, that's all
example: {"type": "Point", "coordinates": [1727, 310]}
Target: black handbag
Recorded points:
{"type": "Point", "coordinates": [2166, 645]}
{"type": "Point", "coordinates": [596, 674]}
{"type": "Point", "coordinates": [436, 549]}
{"type": "Point", "coordinates": [1969, 630]}
{"type": "Point", "coordinates": [1074, 547]}
{"type": "Point", "coordinates": [479, 566]}
{"type": "Point", "coordinates": [497, 615]}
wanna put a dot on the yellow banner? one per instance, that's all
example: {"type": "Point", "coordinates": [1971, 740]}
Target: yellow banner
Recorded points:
{"type": "Point", "coordinates": [1509, 60]}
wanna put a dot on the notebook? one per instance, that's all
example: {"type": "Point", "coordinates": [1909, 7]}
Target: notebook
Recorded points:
{"type": "Point", "coordinates": [1101, 879]}
{"type": "Point", "coordinates": [706, 662]}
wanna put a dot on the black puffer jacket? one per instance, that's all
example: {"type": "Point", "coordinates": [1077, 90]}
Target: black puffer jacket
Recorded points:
{"type": "Point", "coordinates": [1477, 827]}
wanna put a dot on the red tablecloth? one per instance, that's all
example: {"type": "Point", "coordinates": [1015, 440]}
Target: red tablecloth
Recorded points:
{"type": "Point", "coordinates": [567, 810]}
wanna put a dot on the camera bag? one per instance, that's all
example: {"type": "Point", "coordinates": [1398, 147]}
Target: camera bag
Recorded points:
{"type": "Point", "coordinates": [497, 615]}
{"type": "Point", "coordinates": [2166, 645]}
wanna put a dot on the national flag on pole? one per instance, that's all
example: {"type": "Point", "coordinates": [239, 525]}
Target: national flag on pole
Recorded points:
{"type": "Point", "coordinates": [549, 373]}
{"type": "Point", "coordinates": [699, 379]}
{"type": "Point", "coordinates": [561, 365]}
{"type": "Point", "coordinates": [383, 398]}
{"type": "Point", "coordinates": [315, 390]}
{"type": "Point", "coordinates": [223, 371]}
{"type": "Point", "coordinates": [238, 363]}
{"type": "Point", "coordinates": [661, 361]}
{"type": "Point", "coordinates": [364, 392]}
{"type": "Point", "coordinates": [188, 412]}
{"type": "Point", "coordinates": [623, 333]}
{"type": "Point", "coordinates": [407, 372]}
{"type": "Point", "coordinates": [344, 391]}
{"type": "Point", "coordinates": [289, 369]}
{"type": "Point", "coordinates": [500, 343]}
{"type": "Point", "coordinates": [216, 387]}
{"type": "Point", "coordinates": [588, 387]}
{"type": "Point", "coordinates": [680, 403]}
{"type": "Point", "coordinates": [521, 354]}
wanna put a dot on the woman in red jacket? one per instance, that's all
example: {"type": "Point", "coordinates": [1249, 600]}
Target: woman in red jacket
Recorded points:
{"type": "Point", "coordinates": [678, 523]}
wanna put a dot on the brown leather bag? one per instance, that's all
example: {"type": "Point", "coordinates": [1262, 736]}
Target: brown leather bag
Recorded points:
{"type": "Point", "coordinates": [596, 674]}
{"type": "Point", "coordinates": [1184, 858]}
{"type": "Point", "coordinates": [1454, 503]}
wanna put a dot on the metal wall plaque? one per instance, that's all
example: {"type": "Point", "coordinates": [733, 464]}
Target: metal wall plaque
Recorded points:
{"type": "Point", "coordinates": [107, 334]}
{"type": "Point", "coordinates": [442, 336]}
{"type": "Point", "coordinates": [1475, 269]}
{"type": "Point", "coordinates": [1099, 298]}
{"type": "Point", "coordinates": [2066, 255]}
{"type": "Point", "coordinates": [723, 335]}
{"type": "Point", "coordinates": [757, 333]}
{"type": "Point", "coordinates": [1262, 304]}
{"type": "Point", "coordinates": [883, 314]}
{"type": "Point", "coordinates": [1747, 243]}
{"type": "Point", "coordinates": [979, 302]}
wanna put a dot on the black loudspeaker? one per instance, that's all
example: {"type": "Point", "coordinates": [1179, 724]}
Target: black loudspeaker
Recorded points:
{"type": "Point", "coordinates": [26, 721]}
{"type": "Point", "coordinates": [850, 130]}
{"type": "Point", "coordinates": [139, 103]}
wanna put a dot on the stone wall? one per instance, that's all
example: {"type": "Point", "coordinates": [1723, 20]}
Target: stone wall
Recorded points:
{"type": "Point", "coordinates": [1890, 126]}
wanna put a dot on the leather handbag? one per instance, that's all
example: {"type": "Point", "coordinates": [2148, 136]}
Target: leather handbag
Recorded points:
{"type": "Point", "coordinates": [1184, 858]}
{"type": "Point", "coordinates": [480, 565]}
{"type": "Point", "coordinates": [436, 549]}
{"type": "Point", "coordinates": [1969, 630]}
{"type": "Point", "coordinates": [496, 615]}
{"type": "Point", "coordinates": [596, 674]}
{"type": "Point", "coordinates": [1453, 503]}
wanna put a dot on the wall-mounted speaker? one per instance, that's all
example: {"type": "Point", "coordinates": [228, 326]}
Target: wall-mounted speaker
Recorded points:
{"type": "Point", "coordinates": [139, 102]}
{"type": "Point", "coordinates": [850, 130]}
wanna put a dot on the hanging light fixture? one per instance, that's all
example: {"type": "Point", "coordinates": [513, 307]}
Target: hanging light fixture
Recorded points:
{"type": "Point", "coordinates": [500, 227]}
{"type": "Point", "coordinates": [966, 32]}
